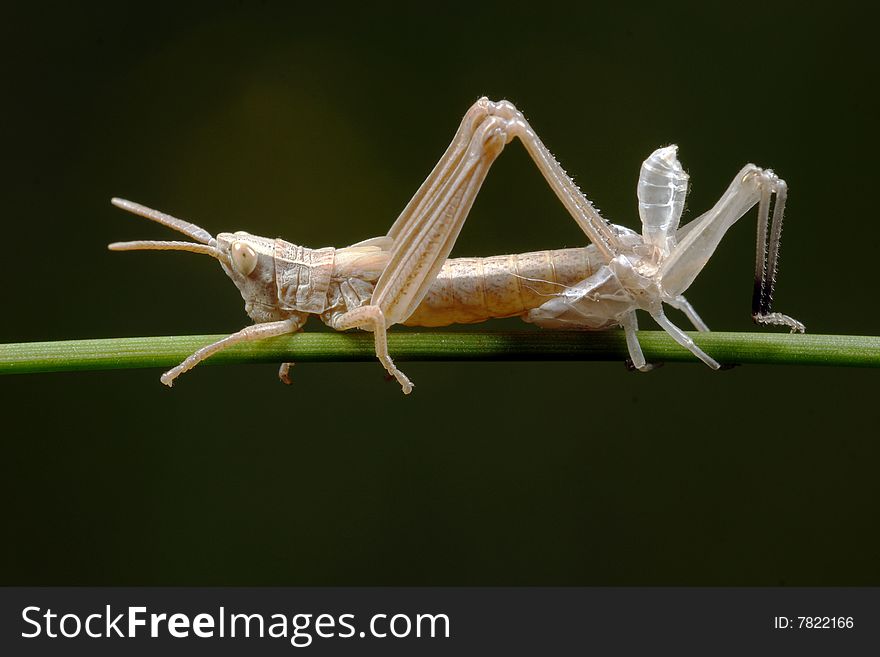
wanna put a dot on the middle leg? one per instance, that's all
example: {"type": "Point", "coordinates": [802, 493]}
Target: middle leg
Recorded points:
{"type": "Point", "coordinates": [425, 234]}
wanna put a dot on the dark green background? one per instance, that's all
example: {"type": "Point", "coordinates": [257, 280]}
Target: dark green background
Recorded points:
{"type": "Point", "coordinates": [317, 126]}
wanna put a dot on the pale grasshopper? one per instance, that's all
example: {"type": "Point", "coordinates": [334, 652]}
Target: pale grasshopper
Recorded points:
{"type": "Point", "coordinates": [405, 277]}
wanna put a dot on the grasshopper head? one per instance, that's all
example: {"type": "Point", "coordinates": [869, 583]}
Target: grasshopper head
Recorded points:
{"type": "Point", "coordinates": [247, 259]}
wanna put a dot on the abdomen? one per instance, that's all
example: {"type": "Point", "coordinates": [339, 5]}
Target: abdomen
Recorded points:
{"type": "Point", "coordinates": [470, 290]}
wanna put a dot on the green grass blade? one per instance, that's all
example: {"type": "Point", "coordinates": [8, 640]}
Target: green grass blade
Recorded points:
{"type": "Point", "coordinates": [728, 348]}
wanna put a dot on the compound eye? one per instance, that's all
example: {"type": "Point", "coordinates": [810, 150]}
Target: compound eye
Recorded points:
{"type": "Point", "coordinates": [244, 258]}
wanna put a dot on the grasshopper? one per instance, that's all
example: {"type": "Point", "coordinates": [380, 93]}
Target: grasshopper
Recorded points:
{"type": "Point", "coordinates": [405, 276]}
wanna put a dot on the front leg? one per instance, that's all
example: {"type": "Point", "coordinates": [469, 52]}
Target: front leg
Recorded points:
{"type": "Point", "coordinates": [247, 334]}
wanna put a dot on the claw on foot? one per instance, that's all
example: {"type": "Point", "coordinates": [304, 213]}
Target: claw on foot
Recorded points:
{"type": "Point", "coordinates": [778, 319]}
{"type": "Point", "coordinates": [405, 384]}
{"type": "Point", "coordinates": [284, 373]}
{"type": "Point", "coordinates": [647, 367]}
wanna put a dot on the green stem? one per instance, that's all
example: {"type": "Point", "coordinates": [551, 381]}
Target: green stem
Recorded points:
{"type": "Point", "coordinates": [730, 348]}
